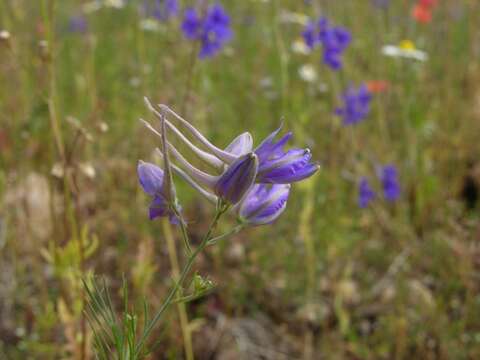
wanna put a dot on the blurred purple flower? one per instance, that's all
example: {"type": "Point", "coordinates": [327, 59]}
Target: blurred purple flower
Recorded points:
{"type": "Point", "coordinates": [310, 35]}
{"type": "Point", "coordinates": [365, 193]}
{"type": "Point", "coordinates": [334, 41]}
{"type": "Point", "coordinates": [212, 30]}
{"type": "Point", "coordinates": [277, 166]}
{"type": "Point", "coordinates": [356, 105]}
{"type": "Point", "coordinates": [263, 204]}
{"type": "Point", "coordinates": [151, 178]}
{"type": "Point", "coordinates": [390, 183]}
{"type": "Point", "coordinates": [382, 4]}
{"type": "Point", "coordinates": [78, 24]}
{"type": "Point", "coordinates": [162, 10]}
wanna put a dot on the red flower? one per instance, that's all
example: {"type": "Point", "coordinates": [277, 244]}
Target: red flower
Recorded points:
{"type": "Point", "coordinates": [422, 13]}
{"type": "Point", "coordinates": [377, 86]}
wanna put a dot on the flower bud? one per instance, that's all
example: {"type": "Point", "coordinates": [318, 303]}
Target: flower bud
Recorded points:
{"type": "Point", "coordinates": [237, 179]}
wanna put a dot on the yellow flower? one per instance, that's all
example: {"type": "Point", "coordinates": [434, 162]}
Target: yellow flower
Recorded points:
{"type": "Point", "coordinates": [407, 45]}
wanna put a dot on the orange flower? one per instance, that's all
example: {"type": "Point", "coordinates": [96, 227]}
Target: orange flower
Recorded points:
{"type": "Point", "coordinates": [377, 86]}
{"type": "Point", "coordinates": [422, 13]}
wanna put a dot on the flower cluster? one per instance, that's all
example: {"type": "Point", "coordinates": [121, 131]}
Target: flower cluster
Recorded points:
{"type": "Point", "coordinates": [212, 29]}
{"type": "Point", "coordinates": [422, 11]}
{"type": "Point", "coordinates": [388, 176]}
{"type": "Point", "coordinates": [161, 10]}
{"type": "Point", "coordinates": [255, 182]}
{"type": "Point", "coordinates": [334, 40]}
{"type": "Point", "coordinates": [356, 105]}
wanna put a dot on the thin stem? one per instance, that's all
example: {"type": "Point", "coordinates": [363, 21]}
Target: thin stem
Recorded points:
{"type": "Point", "coordinates": [233, 231]}
{"type": "Point", "coordinates": [181, 308]}
{"type": "Point", "coordinates": [70, 220]}
{"type": "Point", "coordinates": [221, 209]}
{"type": "Point", "coordinates": [183, 228]}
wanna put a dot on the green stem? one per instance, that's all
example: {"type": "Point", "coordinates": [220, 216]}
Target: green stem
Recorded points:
{"type": "Point", "coordinates": [183, 228]}
{"type": "Point", "coordinates": [233, 231]}
{"type": "Point", "coordinates": [148, 329]}
{"type": "Point", "coordinates": [181, 308]}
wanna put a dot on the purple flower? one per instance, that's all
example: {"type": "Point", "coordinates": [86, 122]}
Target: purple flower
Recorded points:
{"type": "Point", "coordinates": [263, 204]}
{"type": "Point", "coordinates": [151, 178]}
{"type": "Point", "coordinates": [334, 41]}
{"type": "Point", "coordinates": [162, 10]}
{"type": "Point", "coordinates": [240, 167]}
{"type": "Point", "coordinates": [310, 35]}
{"type": "Point", "coordinates": [213, 30]}
{"type": "Point", "coordinates": [78, 24]}
{"type": "Point", "coordinates": [277, 166]}
{"type": "Point", "coordinates": [356, 105]}
{"type": "Point", "coordinates": [237, 179]}
{"type": "Point", "coordinates": [382, 4]}
{"type": "Point", "coordinates": [365, 193]}
{"type": "Point", "coordinates": [390, 183]}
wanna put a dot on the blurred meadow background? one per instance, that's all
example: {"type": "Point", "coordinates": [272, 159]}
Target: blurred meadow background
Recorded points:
{"type": "Point", "coordinates": [377, 256]}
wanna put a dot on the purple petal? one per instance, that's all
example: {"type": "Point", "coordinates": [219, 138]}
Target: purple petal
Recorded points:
{"type": "Point", "coordinates": [158, 208]}
{"type": "Point", "coordinates": [264, 203]}
{"type": "Point", "coordinates": [241, 145]}
{"type": "Point", "coordinates": [237, 179]}
{"type": "Point", "coordinates": [150, 177]}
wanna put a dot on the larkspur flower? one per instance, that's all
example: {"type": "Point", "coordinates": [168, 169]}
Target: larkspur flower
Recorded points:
{"type": "Point", "coordinates": [240, 166]}
{"type": "Point", "coordinates": [263, 204]}
{"type": "Point", "coordinates": [365, 193]}
{"type": "Point", "coordinates": [212, 30]}
{"type": "Point", "coordinates": [277, 166]}
{"type": "Point", "coordinates": [151, 178]}
{"type": "Point", "coordinates": [334, 41]}
{"type": "Point", "coordinates": [161, 10]}
{"type": "Point", "coordinates": [310, 35]}
{"type": "Point", "coordinates": [356, 105]}
{"type": "Point", "coordinates": [237, 179]}
{"type": "Point", "coordinates": [390, 183]}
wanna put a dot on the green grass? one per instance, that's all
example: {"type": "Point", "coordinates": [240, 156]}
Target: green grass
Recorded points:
{"type": "Point", "coordinates": [335, 281]}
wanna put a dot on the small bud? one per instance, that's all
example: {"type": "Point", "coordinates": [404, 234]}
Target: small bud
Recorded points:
{"type": "Point", "coordinates": [201, 285]}
{"type": "Point", "coordinates": [237, 179]}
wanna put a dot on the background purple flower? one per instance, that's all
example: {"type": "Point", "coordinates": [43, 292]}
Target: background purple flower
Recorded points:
{"type": "Point", "coordinates": [390, 183]}
{"type": "Point", "coordinates": [213, 30]}
{"type": "Point", "coordinates": [162, 10]}
{"type": "Point", "coordinates": [356, 105]}
{"type": "Point", "coordinates": [383, 4]}
{"type": "Point", "coordinates": [334, 40]}
{"type": "Point", "coordinates": [78, 24]}
{"type": "Point", "coordinates": [365, 193]}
